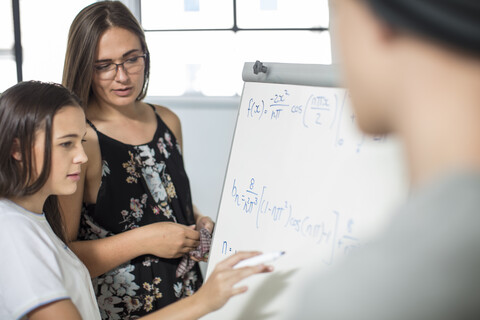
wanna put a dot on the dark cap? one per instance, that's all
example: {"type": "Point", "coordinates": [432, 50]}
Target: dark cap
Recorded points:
{"type": "Point", "coordinates": [455, 23]}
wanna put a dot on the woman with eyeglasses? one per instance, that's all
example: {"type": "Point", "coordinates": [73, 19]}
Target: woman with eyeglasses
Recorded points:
{"type": "Point", "coordinates": [131, 220]}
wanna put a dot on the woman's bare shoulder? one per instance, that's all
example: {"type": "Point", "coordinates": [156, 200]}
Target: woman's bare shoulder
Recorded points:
{"type": "Point", "coordinates": [171, 120]}
{"type": "Point", "coordinates": [92, 148]}
{"type": "Point", "coordinates": [90, 144]}
{"type": "Point", "coordinates": [167, 115]}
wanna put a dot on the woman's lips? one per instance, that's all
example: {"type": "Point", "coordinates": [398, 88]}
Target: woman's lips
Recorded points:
{"type": "Point", "coordinates": [123, 92]}
{"type": "Point", "coordinates": [74, 176]}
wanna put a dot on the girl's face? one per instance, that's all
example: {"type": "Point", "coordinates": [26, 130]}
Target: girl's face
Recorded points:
{"type": "Point", "coordinates": [68, 131]}
{"type": "Point", "coordinates": [120, 87]}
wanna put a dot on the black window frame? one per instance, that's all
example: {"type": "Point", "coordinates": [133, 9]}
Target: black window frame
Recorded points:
{"type": "Point", "coordinates": [234, 28]}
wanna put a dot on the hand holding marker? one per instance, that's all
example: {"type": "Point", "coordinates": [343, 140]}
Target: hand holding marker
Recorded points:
{"type": "Point", "coordinates": [262, 258]}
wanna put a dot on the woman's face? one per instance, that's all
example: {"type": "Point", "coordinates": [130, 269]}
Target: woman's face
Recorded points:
{"type": "Point", "coordinates": [68, 131]}
{"type": "Point", "coordinates": [121, 85]}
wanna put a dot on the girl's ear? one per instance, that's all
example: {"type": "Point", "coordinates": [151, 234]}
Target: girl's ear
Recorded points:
{"type": "Point", "coordinates": [16, 153]}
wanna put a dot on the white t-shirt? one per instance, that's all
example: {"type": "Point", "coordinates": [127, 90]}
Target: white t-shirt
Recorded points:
{"type": "Point", "coordinates": [37, 267]}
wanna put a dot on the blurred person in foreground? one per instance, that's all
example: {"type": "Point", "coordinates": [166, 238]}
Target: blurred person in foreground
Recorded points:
{"type": "Point", "coordinates": [412, 68]}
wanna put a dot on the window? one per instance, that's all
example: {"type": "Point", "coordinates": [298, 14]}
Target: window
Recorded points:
{"type": "Point", "coordinates": [44, 27]}
{"type": "Point", "coordinates": [7, 56]}
{"type": "Point", "coordinates": [198, 47]}
{"type": "Point", "coordinates": [282, 13]}
{"type": "Point", "coordinates": [186, 14]}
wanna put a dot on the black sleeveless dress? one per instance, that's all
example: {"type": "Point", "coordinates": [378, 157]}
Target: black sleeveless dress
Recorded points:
{"type": "Point", "coordinates": [140, 185]}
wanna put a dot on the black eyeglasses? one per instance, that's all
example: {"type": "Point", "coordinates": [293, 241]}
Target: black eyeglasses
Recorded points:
{"type": "Point", "coordinates": [132, 65]}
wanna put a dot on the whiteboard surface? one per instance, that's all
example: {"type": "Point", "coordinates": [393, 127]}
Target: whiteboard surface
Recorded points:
{"type": "Point", "coordinates": [302, 179]}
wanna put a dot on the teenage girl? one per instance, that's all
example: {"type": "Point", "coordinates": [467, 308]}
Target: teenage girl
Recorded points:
{"type": "Point", "coordinates": [41, 153]}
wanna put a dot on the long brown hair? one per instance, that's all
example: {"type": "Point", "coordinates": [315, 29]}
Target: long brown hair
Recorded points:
{"type": "Point", "coordinates": [26, 108]}
{"type": "Point", "coordinates": [85, 31]}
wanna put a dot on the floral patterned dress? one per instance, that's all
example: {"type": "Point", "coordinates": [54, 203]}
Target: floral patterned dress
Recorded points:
{"type": "Point", "coordinates": [140, 185]}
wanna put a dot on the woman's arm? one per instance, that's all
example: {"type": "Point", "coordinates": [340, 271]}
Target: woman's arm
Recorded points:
{"type": "Point", "coordinates": [202, 221]}
{"type": "Point", "coordinates": [162, 239]}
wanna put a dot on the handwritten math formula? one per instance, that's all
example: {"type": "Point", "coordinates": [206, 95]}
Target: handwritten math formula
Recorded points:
{"type": "Point", "coordinates": [253, 202]}
{"type": "Point", "coordinates": [318, 110]}
{"type": "Point", "coordinates": [325, 111]}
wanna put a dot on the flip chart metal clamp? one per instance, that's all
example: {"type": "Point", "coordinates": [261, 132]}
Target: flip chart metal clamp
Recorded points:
{"type": "Point", "coordinates": [259, 67]}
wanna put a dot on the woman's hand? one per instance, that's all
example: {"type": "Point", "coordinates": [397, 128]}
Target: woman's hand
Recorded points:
{"type": "Point", "coordinates": [214, 293]}
{"type": "Point", "coordinates": [169, 240]}
{"type": "Point", "coordinates": [205, 222]}
{"type": "Point", "coordinates": [219, 287]}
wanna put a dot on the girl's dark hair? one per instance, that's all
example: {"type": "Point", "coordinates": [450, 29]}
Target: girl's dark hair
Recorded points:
{"type": "Point", "coordinates": [85, 31]}
{"type": "Point", "coordinates": [26, 108]}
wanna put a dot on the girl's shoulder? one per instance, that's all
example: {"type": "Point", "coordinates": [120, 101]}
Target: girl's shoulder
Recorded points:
{"type": "Point", "coordinates": [11, 214]}
{"type": "Point", "coordinates": [19, 226]}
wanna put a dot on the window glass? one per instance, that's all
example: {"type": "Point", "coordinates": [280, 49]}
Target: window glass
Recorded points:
{"type": "Point", "coordinates": [44, 26]}
{"type": "Point", "coordinates": [187, 14]}
{"type": "Point", "coordinates": [211, 63]}
{"type": "Point", "coordinates": [7, 55]}
{"type": "Point", "coordinates": [282, 13]}
{"type": "Point", "coordinates": [6, 25]}
{"type": "Point", "coordinates": [9, 73]}
{"type": "Point", "coordinates": [177, 60]}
